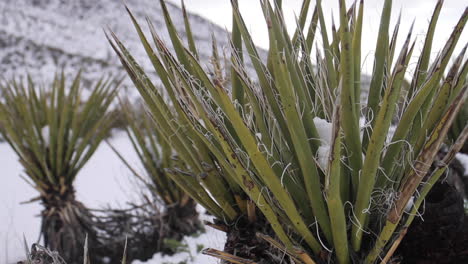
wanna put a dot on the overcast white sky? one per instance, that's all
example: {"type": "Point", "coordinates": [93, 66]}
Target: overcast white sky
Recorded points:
{"type": "Point", "coordinates": [219, 11]}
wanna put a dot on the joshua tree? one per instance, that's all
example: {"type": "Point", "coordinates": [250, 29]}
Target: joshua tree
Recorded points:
{"type": "Point", "coordinates": [280, 155]}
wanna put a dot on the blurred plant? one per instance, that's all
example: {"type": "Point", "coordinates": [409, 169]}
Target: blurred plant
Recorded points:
{"type": "Point", "coordinates": [155, 155]}
{"type": "Point", "coordinates": [55, 131]}
{"type": "Point", "coordinates": [42, 255]}
{"type": "Point", "coordinates": [173, 212]}
{"type": "Point", "coordinates": [288, 145]}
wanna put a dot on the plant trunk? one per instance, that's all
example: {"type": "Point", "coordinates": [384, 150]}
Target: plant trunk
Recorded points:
{"type": "Point", "coordinates": [243, 242]}
{"type": "Point", "coordinates": [65, 225]}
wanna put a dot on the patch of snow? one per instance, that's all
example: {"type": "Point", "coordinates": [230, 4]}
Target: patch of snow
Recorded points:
{"type": "Point", "coordinates": [391, 132]}
{"type": "Point", "coordinates": [45, 135]}
{"type": "Point", "coordinates": [324, 129]}
{"type": "Point", "coordinates": [362, 124]}
{"type": "Point", "coordinates": [211, 238]}
{"type": "Point", "coordinates": [16, 219]}
{"type": "Point", "coordinates": [409, 205]}
{"type": "Point", "coordinates": [259, 136]}
{"type": "Point", "coordinates": [323, 155]}
{"type": "Point", "coordinates": [463, 158]}
{"type": "Point", "coordinates": [106, 169]}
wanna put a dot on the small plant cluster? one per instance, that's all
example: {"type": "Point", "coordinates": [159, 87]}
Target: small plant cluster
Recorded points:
{"type": "Point", "coordinates": [253, 146]}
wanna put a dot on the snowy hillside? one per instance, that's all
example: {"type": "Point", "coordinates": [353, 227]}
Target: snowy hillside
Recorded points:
{"type": "Point", "coordinates": [37, 36]}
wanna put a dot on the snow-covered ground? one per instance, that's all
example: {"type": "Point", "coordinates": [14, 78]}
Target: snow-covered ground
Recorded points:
{"type": "Point", "coordinates": [103, 181]}
{"type": "Point", "coordinates": [15, 219]}
{"type": "Point", "coordinates": [212, 238]}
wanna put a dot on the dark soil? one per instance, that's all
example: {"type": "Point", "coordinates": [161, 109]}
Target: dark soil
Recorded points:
{"type": "Point", "coordinates": [242, 242]}
{"type": "Point", "coordinates": [441, 236]}
{"type": "Point", "coordinates": [146, 230]}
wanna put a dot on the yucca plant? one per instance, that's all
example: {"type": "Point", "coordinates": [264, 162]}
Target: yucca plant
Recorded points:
{"type": "Point", "coordinates": [173, 213]}
{"type": "Point", "coordinates": [285, 147]}
{"type": "Point", "coordinates": [55, 131]}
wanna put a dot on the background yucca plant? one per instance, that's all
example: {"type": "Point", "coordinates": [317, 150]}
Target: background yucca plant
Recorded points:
{"type": "Point", "coordinates": [174, 213]}
{"type": "Point", "coordinates": [285, 146]}
{"type": "Point", "coordinates": [55, 131]}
